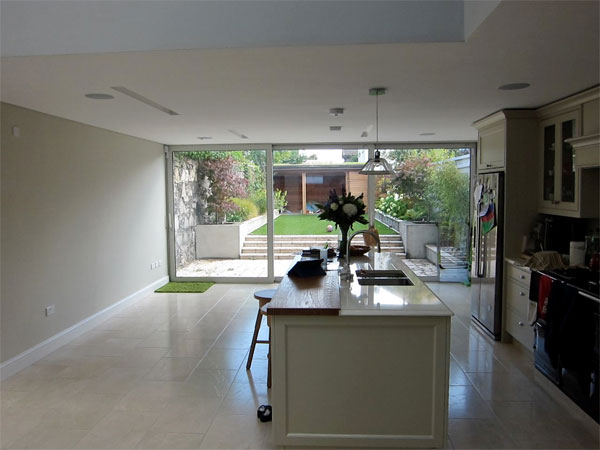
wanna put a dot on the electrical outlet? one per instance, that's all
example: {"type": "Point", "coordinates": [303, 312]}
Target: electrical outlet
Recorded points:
{"type": "Point", "coordinates": [50, 310]}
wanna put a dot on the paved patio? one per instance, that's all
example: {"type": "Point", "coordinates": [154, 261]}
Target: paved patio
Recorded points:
{"type": "Point", "coordinates": [232, 268]}
{"type": "Point", "coordinates": [258, 268]}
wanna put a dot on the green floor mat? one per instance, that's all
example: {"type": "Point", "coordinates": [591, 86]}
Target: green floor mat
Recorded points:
{"type": "Point", "coordinates": [185, 287]}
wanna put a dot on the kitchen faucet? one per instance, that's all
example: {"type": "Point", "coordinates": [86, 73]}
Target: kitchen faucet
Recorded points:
{"type": "Point", "coordinates": [345, 273]}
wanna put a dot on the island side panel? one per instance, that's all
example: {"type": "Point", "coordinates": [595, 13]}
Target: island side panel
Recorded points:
{"type": "Point", "coordinates": [360, 381]}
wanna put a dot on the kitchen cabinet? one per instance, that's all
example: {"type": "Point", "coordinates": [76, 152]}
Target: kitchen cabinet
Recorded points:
{"type": "Point", "coordinates": [508, 141]}
{"type": "Point", "coordinates": [564, 188]}
{"type": "Point", "coordinates": [587, 151]}
{"type": "Point", "coordinates": [517, 303]}
{"type": "Point", "coordinates": [559, 175]}
{"type": "Point", "coordinates": [491, 145]}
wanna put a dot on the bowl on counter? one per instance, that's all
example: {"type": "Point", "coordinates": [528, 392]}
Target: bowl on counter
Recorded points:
{"type": "Point", "coordinates": [359, 250]}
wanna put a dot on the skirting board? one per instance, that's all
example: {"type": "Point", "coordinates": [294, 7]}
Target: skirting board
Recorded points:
{"type": "Point", "coordinates": [44, 348]}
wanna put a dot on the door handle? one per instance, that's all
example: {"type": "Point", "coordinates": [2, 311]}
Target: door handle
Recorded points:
{"type": "Point", "coordinates": [481, 264]}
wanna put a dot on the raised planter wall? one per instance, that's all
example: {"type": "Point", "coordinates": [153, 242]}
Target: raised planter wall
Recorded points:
{"type": "Point", "coordinates": [415, 235]}
{"type": "Point", "coordinates": [225, 240]}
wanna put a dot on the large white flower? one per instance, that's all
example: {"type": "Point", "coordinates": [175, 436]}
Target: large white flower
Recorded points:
{"type": "Point", "coordinates": [350, 209]}
{"type": "Point", "coordinates": [333, 206]}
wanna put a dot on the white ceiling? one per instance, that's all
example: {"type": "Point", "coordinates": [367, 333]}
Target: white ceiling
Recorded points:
{"type": "Point", "coordinates": [282, 94]}
{"type": "Point", "coordinates": [49, 27]}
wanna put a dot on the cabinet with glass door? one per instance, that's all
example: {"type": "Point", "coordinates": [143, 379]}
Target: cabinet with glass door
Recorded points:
{"type": "Point", "coordinates": [560, 177]}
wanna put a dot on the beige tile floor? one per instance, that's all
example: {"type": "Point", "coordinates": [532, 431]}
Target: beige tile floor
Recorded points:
{"type": "Point", "coordinates": [169, 373]}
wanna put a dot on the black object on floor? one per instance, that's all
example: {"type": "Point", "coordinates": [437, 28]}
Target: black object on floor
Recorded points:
{"type": "Point", "coordinates": [265, 413]}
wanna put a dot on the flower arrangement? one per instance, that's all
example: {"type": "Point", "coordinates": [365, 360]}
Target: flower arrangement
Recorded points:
{"type": "Point", "coordinates": [343, 210]}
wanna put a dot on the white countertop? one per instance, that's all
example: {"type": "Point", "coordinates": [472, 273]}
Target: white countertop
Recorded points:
{"type": "Point", "coordinates": [518, 262]}
{"type": "Point", "coordinates": [416, 300]}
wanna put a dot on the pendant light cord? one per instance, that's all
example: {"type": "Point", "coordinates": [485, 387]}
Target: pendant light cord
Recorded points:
{"type": "Point", "coordinates": [376, 120]}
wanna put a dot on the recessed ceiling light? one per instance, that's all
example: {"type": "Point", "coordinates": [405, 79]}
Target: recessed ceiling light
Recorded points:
{"type": "Point", "coordinates": [427, 134]}
{"type": "Point", "coordinates": [335, 128]}
{"type": "Point", "coordinates": [98, 96]}
{"type": "Point", "coordinates": [336, 112]}
{"type": "Point", "coordinates": [513, 86]}
{"type": "Point", "coordinates": [204, 138]}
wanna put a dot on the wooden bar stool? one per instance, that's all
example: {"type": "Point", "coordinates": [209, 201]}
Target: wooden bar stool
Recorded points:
{"type": "Point", "coordinates": [263, 297]}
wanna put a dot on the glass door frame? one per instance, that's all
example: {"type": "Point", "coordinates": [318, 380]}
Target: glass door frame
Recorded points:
{"type": "Point", "coordinates": [169, 150]}
{"type": "Point", "coordinates": [471, 145]}
{"type": "Point", "coordinates": [370, 147]}
{"type": "Point", "coordinates": [269, 148]}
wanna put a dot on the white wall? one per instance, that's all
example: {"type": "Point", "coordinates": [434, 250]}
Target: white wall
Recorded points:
{"type": "Point", "coordinates": [83, 217]}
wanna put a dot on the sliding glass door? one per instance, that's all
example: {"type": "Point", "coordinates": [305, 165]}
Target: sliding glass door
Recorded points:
{"type": "Point", "coordinates": [302, 179]}
{"type": "Point", "coordinates": [218, 199]}
{"type": "Point", "coordinates": [427, 201]}
{"type": "Point", "coordinates": [241, 214]}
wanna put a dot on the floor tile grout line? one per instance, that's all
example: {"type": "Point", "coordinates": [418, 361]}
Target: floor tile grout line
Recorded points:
{"type": "Point", "coordinates": [209, 349]}
{"type": "Point", "coordinates": [158, 414]}
{"type": "Point", "coordinates": [219, 335]}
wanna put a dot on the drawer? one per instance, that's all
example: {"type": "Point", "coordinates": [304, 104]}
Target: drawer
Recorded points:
{"type": "Point", "coordinates": [517, 296]}
{"type": "Point", "coordinates": [517, 326]}
{"type": "Point", "coordinates": [521, 275]}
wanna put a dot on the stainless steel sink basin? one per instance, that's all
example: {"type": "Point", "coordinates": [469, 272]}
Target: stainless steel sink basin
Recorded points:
{"type": "Point", "coordinates": [362, 273]}
{"type": "Point", "coordinates": [382, 277]}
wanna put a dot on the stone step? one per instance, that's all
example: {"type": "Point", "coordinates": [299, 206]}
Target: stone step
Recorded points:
{"type": "Point", "coordinates": [305, 242]}
{"type": "Point", "coordinates": [254, 256]}
{"type": "Point", "coordinates": [302, 245]}
{"type": "Point", "coordinates": [311, 237]}
{"type": "Point", "coordinates": [297, 249]}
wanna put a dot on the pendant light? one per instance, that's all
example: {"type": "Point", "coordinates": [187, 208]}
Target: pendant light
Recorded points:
{"type": "Point", "coordinates": [377, 165]}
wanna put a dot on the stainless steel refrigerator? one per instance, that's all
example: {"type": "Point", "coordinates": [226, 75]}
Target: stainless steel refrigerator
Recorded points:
{"type": "Point", "coordinates": [486, 252]}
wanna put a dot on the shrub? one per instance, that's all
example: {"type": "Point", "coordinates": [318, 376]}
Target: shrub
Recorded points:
{"type": "Point", "coordinates": [260, 200]}
{"type": "Point", "coordinates": [280, 200]}
{"type": "Point", "coordinates": [400, 208]}
{"type": "Point", "coordinates": [246, 209]}
{"type": "Point", "coordinates": [392, 205]}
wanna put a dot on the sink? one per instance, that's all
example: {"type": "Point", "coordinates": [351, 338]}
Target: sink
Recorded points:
{"type": "Point", "coordinates": [362, 273]}
{"type": "Point", "coordinates": [383, 277]}
{"type": "Point", "coordinates": [384, 282]}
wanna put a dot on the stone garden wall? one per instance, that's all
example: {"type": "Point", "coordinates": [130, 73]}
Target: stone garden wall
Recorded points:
{"type": "Point", "coordinates": [186, 192]}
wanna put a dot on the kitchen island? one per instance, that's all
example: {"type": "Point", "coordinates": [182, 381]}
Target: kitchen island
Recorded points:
{"type": "Point", "coordinates": [359, 366]}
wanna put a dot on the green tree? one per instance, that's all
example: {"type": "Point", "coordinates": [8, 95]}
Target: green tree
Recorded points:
{"type": "Point", "coordinates": [290, 157]}
{"type": "Point", "coordinates": [448, 194]}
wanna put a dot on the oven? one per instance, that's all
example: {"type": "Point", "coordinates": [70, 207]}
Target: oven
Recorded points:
{"type": "Point", "coordinates": [571, 359]}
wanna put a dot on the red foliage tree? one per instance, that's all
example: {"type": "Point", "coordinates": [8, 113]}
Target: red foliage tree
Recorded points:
{"type": "Point", "coordinates": [226, 182]}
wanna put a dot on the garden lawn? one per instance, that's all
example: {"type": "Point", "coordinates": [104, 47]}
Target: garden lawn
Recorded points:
{"type": "Point", "coordinates": [290, 224]}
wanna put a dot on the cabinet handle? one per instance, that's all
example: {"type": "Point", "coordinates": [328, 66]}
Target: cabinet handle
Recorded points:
{"type": "Point", "coordinates": [522, 294]}
{"type": "Point", "coordinates": [520, 323]}
{"type": "Point", "coordinates": [522, 277]}
{"type": "Point", "coordinates": [488, 165]}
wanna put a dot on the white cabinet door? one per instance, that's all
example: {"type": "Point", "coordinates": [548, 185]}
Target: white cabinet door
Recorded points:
{"type": "Point", "coordinates": [491, 147]}
{"type": "Point", "coordinates": [560, 178]}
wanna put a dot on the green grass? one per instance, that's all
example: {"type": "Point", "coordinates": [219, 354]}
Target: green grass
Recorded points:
{"type": "Point", "coordinates": [185, 287]}
{"type": "Point", "coordinates": [310, 224]}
